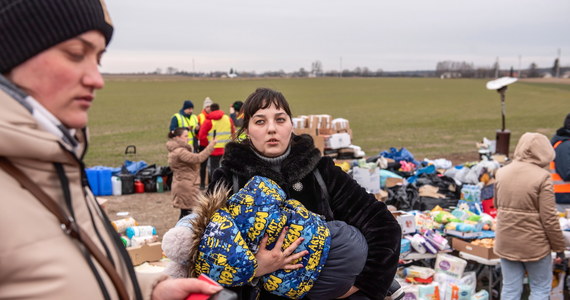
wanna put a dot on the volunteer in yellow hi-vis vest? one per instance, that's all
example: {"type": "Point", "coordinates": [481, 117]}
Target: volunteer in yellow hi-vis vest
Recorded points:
{"type": "Point", "coordinates": [217, 125]}
{"type": "Point", "coordinates": [560, 167]}
{"type": "Point", "coordinates": [185, 118]}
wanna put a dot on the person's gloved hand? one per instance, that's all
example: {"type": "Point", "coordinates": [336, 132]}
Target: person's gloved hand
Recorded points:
{"type": "Point", "coordinates": [559, 257]}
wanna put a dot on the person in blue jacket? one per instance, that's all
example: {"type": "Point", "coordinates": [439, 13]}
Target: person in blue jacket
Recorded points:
{"type": "Point", "coordinates": [560, 167]}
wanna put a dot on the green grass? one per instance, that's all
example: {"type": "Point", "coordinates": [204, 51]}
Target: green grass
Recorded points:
{"type": "Point", "coordinates": [430, 117]}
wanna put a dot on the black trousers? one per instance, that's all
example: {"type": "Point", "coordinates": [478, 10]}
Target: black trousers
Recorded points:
{"type": "Point", "coordinates": [214, 164]}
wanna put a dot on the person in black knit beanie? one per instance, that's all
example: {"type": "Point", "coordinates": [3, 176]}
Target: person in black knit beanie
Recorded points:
{"type": "Point", "coordinates": [50, 52]}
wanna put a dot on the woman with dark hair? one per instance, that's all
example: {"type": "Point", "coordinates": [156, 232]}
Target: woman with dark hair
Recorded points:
{"type": "Point", "coordinates": [273, 151]}
{"type": "Point", "coordinates": [185, 165]}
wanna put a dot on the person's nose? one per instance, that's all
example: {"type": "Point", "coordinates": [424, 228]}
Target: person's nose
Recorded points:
{"type": "Point", "coordinates": [93, 78]}
{"type": "Point", "coordinates": [271, 127]}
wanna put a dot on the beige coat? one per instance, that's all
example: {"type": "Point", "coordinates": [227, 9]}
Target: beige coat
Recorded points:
{"type": "Point", "coordinates": [527, 221]}
{"type": "Point", "coordinates": [37, 259]}
{"type": "Point", "coordinates": [185, 165]}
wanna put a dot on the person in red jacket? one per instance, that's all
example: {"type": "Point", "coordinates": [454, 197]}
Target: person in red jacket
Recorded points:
{"type": "Point", "coordinates": [220, 126]}
{"type": "Point", "coordinates": [201, 119]}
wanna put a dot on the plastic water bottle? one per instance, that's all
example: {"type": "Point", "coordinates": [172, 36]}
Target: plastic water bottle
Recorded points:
{"type": "Point", "coordinates": [140, 231]}
{"type": "Point", "coordinates": [117, 185]}
{"type": "Point", "coordinates": [159, 185]}
{"type": "Point", "coordinates": [122, 224]}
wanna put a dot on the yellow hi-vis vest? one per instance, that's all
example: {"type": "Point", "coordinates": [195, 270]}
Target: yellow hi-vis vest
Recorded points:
{"type": "Point", "coordinates": [223, 130]}
{"type": "Point", "coordinates": [560, 186]}
{"type": "Point", "coordinates": [189, 123]}
{"type": "Point", "coordinates": [183, 121]}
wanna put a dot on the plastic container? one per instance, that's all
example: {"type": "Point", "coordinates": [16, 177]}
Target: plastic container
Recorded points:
{"type": "Point", "coordinates": [139, 186]}
{"type": "Point", "coordinates": [100, 180]}
{"type": "Point", "coordinates": [159, 185]}
{"type": "Point", "coordinates": [127, 183]}
{"type": "Point", "coordinates": [126, 241]}
{"type": "Point", "coordinates": [105, 184]}
{"type": "Point", "coordinates": [117, 185]}
{"type": "Point", "coordinates": [93, 179]}
{"type": "Point", "coordinates": [122, 224]}
{"type": "Point", "coordinates": [140, 231]}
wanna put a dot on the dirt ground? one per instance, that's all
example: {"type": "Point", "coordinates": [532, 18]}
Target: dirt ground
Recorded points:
{"type": "Point", "coordinates": [147, 209]}
{"type": "Point", "coordinates": [156, 208]}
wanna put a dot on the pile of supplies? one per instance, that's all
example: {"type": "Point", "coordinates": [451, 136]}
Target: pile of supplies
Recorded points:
{"type": "Point", "coordinates": [141, 241]}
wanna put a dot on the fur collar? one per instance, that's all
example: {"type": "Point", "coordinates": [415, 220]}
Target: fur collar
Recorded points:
{"type": "Point", "coordinates": [173, 144]}
{"type": "Point", "coordinates": [303, 158]}
{"type": "Point", "coordinates": [206, 206]}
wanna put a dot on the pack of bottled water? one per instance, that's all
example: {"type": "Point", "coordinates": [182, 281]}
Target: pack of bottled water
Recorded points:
{"type": "Point", "coordinates": [471, 192]}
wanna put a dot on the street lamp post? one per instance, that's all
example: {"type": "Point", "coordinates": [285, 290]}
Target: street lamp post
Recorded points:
{"type": "Point", "coordinates": [504, 135]}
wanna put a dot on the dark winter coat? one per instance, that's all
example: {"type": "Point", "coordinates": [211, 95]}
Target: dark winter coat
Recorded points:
{"type": "Point", "coordinates": [349, 202]}
{"type": "Point", "coordinates": [562, 159]}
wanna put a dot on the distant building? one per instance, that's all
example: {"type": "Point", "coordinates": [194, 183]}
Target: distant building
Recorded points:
{"type": "Point", "coordinates": [448, 75]}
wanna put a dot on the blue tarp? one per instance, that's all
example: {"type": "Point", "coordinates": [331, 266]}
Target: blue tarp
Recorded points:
{"type": "Point", "coordinates": [398, 155]}
{"type": "Point", "coordinates": [132, 166]}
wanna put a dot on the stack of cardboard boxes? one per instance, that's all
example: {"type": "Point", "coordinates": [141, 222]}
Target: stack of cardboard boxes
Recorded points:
{"type": "Point", "coordinates": [332, 137]}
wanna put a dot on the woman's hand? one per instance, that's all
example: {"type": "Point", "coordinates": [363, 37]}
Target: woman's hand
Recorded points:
{"type": "Point", "coordinates": [180, 288]}
{"type": "Point", "coordinates": [272, 260]}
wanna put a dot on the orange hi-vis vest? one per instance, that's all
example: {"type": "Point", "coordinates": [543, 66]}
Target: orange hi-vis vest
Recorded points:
{"type": "Point", "coordinates": [201, 118]}
{"type": "Point", "coordinates": [560, 186]}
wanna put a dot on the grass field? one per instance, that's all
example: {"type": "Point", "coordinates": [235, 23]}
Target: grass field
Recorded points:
{"type": "Point", "coordinates": [432, 118]}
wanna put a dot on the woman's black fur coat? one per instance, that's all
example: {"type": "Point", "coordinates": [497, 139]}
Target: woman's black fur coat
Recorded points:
{"type": "Point", "coordinates": [349, 202]}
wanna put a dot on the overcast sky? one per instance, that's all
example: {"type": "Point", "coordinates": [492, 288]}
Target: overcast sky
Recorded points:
{"type": "Point", "coordinates": [256, 35]}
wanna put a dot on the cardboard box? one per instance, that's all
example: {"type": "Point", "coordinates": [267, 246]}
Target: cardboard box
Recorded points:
{"type": "Point", "coordinates": [320, 121]}
{"type": "Point", "coordinates": [381, 196]}
{"type": "Point", "coordinates": [467, 247]}
{"type": "Point", "coordinates": [309, 131]}
{"type": "Point", "coordinates": [340, 124]}
{"type": "Point", "coordinates": [407, 221]}
{"type": "Point", "coordinates": [325, 131]}
{"type": "Point", "coordinates": [393, 181]}
{"type": "Point", "coordinates": [147, 252]}
{"type": "Point", "coordinates": [337, 141]}
{"type": "Point", "coordinates": [299, 122]}
{"type": "Point", "coordinates": [367, 178]}
{"type": "Point", "coordinates": [319, 143]}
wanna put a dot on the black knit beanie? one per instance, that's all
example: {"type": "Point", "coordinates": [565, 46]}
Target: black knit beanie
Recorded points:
{"type": "Point", "coordinates": [567, 122]}
{"type": "Point", "coordinates": [28, 27]}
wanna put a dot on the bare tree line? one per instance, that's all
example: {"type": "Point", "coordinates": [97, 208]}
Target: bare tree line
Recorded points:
{"type": "Point", "coordinates": [443, 69]}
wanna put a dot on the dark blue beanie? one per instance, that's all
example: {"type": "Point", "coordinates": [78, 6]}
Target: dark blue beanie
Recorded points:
{"type": "Point", "coordinates": [187, 104]}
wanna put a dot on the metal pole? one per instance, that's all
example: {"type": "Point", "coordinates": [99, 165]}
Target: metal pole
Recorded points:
{"type": "Point", "coordinates": [502, 92]}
